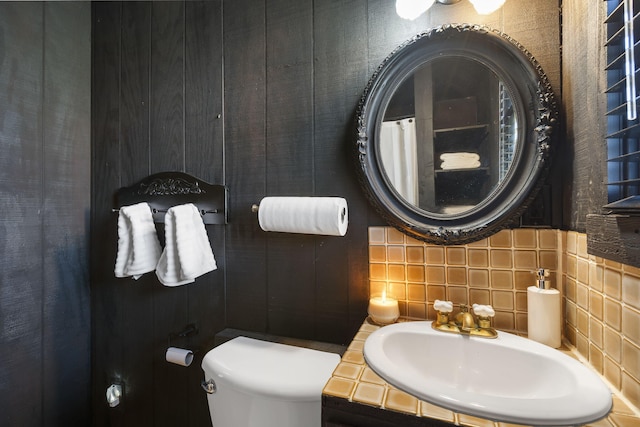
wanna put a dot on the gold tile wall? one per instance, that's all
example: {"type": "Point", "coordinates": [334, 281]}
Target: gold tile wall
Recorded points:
{"type": "Point", "coordinates": [602, 313]}
{"type": "Point", "coordinates": [601, 298]}
{"type": "Point", "coordinates": [494, 271]}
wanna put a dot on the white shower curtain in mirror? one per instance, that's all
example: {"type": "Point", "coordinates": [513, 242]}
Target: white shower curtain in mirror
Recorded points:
{"type": "Point", "coordinates": [398, 151]}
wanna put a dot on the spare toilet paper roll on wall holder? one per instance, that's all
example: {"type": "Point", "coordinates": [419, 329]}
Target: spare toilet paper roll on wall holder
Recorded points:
{"type": "Point", "coordinates": [177, 355]}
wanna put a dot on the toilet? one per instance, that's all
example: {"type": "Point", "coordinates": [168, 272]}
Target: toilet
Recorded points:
{"type": "Point", "coordinates": [266, 384]}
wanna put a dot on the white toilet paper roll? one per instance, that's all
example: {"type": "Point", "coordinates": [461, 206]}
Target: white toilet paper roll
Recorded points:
{"type": "Point", "coordinates": [179, 356]}
{"type": "Point", "coordinates": [307, 215]}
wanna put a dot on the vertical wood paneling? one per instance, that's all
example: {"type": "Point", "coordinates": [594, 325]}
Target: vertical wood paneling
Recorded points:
{"type": "Point", "coordinates": [135, 297]}
{"type": "Point", "coordinates": [289, 151]}
{"type": "Point", "coordinates": [584, 106]}
{"type": "Point", "coordinates": [66, 188]}
{"type": "Point", "coordinates": [134, 96]}
{"type": "Point", "coordinates": [167, 86]}
{"type": "Point", "coordinates": [167, 152]}
{"type": "Point", "coordinates": [203, 90]}
{"type": "Point", "coordinates": [106, 302]}
{"type": "Point", "coordinates": [386, 30]}
{"type": "Point", "coordinates": [21, 163]}
{"type": "Point", "coordinates": [44, 189]}
{"type": "Point", "coordinates": [542, 39]}
{"type": "Point", "coordinates": [204, 157]}
{"type": "Point", "coordinates": [289, 104]}
{"type": "Point", "coordinates": [340, 74]}
{"type": "Point", "coordinates": [245, 158]}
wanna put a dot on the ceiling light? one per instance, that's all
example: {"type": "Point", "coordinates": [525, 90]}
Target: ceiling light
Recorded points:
{"type": "Point", "coordinates": [411, 9]}
{"type": "Point", "coordinates": [487, 7]}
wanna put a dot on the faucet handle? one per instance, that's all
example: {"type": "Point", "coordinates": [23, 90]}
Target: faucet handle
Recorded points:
{"type": "Point", "coordinates": [484, 313]}
{"type": "Point", "coordinates": [483, 310]}
{"type": "Point", "coordinates": [443, 306]}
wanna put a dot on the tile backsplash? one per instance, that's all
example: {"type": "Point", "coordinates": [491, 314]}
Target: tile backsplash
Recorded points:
{"type": "Point", "coordinates": [601, 298]}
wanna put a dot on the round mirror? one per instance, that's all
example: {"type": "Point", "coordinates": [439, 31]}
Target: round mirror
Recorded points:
{"type": "Point", "coordinates": [454, 134]}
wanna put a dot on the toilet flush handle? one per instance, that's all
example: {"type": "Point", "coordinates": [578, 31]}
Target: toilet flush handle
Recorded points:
{"type": "Point", "coordinates": [209, 386]}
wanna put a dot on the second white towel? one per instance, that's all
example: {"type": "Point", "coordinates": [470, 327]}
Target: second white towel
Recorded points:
{"type": "Point", "coordinates": [187, 253]}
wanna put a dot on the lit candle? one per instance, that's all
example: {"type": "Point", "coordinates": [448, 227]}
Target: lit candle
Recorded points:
{"type": "Point", "coordinates": [383, 310]}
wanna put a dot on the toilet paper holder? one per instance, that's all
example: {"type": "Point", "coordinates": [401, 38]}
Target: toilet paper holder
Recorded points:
{"type": "Point", "coordinates": [188, 331]}
{"type": "Point", "coordinates": [176, 354]}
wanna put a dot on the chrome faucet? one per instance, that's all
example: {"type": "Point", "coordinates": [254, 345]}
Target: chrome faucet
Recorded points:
{"type": "Point", "coordinates": [464, 322]}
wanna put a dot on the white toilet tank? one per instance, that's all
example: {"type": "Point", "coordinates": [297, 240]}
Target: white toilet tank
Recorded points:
{"type": "Point", "coordinates": [266, 384]}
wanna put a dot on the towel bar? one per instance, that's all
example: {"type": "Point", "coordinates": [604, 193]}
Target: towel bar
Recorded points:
{"type": "Point", "coordinates": [166, 189]}
{"type": "Point", "coordinates": [154, 211]}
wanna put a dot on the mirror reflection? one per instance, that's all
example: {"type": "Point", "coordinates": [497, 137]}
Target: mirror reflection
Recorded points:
{"type": "Point", "coordinates": [449, 135]}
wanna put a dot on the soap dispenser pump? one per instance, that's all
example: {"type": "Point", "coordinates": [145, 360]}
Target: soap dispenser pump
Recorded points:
{"type": "Point", "coordinates": [541, 281]}
{"type": "Point", "coordinates": [543, 311]}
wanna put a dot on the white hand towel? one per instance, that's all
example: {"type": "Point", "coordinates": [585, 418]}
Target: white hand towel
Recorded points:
{"type": "Point", "coordinates": [187, 253]}
{"type": "Point", "coordinates": [138, 245]}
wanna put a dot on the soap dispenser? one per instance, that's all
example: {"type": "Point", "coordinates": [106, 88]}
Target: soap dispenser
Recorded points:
{"type": "Point", "coordinates": [543, 306]}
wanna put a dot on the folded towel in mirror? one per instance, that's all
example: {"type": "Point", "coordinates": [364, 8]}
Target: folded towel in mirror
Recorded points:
{"type": "Point", "coordinates": [459, 155]}
{"type": "Point", "coordinates": [461, 160]}
{"type": "Point", "coordinates": [454, 209]}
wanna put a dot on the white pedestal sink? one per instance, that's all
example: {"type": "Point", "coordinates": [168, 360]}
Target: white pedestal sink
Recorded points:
{"type": "Point", "coordinates": [510, 378]}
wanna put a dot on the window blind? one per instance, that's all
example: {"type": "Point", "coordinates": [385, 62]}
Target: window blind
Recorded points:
{"type": "Point", "coordinates": [622, 27]}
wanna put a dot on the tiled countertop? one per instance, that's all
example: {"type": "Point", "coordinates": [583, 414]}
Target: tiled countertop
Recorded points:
{"type": "Point", "coordinates": [354, 381]}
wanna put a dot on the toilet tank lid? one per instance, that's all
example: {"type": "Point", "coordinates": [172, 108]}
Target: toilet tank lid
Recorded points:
{"type": "Point", "coordinates": [270, 369]}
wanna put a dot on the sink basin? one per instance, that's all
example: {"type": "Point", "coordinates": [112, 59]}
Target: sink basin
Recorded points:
{"type": "Point", "coordinates": [509, 378]}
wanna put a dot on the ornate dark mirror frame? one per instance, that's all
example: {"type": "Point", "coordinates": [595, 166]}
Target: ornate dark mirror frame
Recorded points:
{"type": "Point", "coordinates": [536, 114]}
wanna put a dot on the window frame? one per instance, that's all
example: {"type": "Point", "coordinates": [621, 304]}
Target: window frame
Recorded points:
{"type": "Point", "coordinates": [622, 29]}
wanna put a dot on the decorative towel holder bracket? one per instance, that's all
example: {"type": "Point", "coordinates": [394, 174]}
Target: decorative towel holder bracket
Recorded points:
{"type": "Point", "coordinates": [166, 189]}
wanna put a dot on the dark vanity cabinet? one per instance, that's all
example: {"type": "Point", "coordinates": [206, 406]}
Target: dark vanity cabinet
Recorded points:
{"type": "Point", "coordinates": [337, 412]}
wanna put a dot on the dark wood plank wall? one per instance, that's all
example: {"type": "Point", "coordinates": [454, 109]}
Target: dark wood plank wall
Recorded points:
{"type": "Point", "coordinates": [584, 108]}
{"type": "Point", "coordinates": [340, 69]}
{"type": "Point", "coordinates": [158, 96]}
{"type": "Point", "coordinates": [21, 272]}
{"type": "Point", "coordinates": [261, 97]}
{"type": "Point", "coordinates": [45, 61]}
{"type": "Point", "coordinates": [289, 149]}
